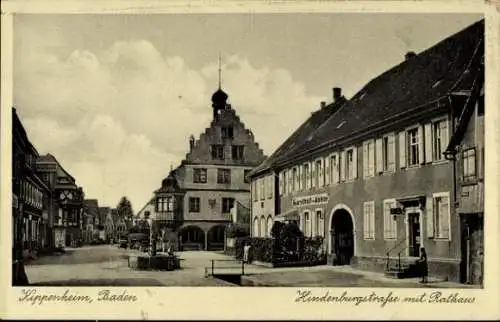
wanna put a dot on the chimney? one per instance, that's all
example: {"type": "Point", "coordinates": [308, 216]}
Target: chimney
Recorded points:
{"type": "Point", "coordinates": [409, 55]}
{"type": "Point", "coordinates": [323, 104]}
{"type": "Point", "coordinates": [337, 93]}
{"type": "Point", "coordinates": [191, 142]}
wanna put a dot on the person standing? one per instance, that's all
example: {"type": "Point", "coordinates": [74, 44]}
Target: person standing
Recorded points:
{"type": "Point", "coordinates": [423, 265]}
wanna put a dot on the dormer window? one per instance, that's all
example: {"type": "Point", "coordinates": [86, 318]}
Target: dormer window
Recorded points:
{"type": "Point", "coordinates": [227, 132]}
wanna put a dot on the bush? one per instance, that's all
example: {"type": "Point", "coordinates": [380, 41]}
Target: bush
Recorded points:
{"type": "Point", "coordinates": [262, 250]}
{"type": "Point", "coordinates": [237, 230]}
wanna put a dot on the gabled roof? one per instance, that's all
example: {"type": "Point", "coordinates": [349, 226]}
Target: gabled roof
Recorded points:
{"type": "Point", "coordinates": [49, 158]}
{"type": "Point", "coordinates": [417, 82]}
{"type": "Point", "coordinates": [300, 135]}
{"type": "Point", "coordinates": [91, 207]}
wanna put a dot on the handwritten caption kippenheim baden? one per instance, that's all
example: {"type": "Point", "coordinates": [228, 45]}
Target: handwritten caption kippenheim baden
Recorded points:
{"type": "Point", "coordinates": [34, 296]}
{"type": "Point", "coordinates": [436, 297]}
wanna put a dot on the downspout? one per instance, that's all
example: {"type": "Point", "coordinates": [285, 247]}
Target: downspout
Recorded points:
{"type": "Point", "coordinates": [452, 156]}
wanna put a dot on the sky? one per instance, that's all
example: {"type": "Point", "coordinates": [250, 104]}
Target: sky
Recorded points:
{"type": "Point", "coordinates": [115, 97]}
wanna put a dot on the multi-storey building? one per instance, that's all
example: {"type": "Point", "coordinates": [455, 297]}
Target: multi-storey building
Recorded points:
{"type": "Point", "coordinates": [265, 179]}
{"type": "Point", "coordinates": [466, 150]}
{"type": "Point", "coordinates": [193, 204]}
{"type": "Point", "coordinates": [373, 179]}
{"type": "Point", "coordinates": [90, 220]}
{"type": "Point", "coordinates": [30, 201]}
{"type": "Point", "coordinates": [67, 201]}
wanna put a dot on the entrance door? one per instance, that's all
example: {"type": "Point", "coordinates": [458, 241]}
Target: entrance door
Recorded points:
{"type": "Point", "coordinates": [414, 234]}
{"type": "Point", "coordinates": [342, 236]}
{"type": "Point", "coordinates": [471, 268]}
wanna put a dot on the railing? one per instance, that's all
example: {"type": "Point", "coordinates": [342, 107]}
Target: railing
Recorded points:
{"type": "Point", "coordinates": [399, 254]}
{"type": "Point", "coordinates": [223, 269]}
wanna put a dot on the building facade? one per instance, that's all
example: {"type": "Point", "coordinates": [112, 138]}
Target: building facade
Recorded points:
{"type": "Point", "coordinates": [30, 202]}
{"type": "Point", "coordinates": [90, 220]}
{"type": "Point", "coordinates": [192, 207]}
{"type": "Point", "coordinates": [373, 179]}
{"type": "Point", "coordinates": [466, 150]}
{"type": "Point", "coordinates": [67, 202]}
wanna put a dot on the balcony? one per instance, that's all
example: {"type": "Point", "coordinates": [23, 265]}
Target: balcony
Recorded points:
{"type": "Point", "coordinates": [164, 216]}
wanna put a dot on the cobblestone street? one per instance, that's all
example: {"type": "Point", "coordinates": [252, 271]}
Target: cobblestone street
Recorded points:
{"type": "Point", "coordinates": [107, 266]}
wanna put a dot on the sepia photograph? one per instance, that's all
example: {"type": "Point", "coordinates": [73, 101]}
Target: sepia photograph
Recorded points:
{"type": "Point", "coordinates": [322, 149]}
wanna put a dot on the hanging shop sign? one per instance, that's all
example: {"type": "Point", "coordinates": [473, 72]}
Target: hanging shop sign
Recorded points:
{"type": "Point", "coordinates": [310, 200]}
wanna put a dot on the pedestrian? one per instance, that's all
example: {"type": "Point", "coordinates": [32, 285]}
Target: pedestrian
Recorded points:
{"type": "Point", "coordinates": [423, 265]}
{"type": "Point", "coordinates": [246, 252]}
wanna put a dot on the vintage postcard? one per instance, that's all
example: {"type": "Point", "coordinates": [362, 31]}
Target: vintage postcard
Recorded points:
{"type": "Point", "coordinates": [185, 160]}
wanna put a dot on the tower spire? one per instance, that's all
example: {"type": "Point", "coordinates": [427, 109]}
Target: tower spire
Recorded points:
{"type": "Point", "coordinates": [219, 71]}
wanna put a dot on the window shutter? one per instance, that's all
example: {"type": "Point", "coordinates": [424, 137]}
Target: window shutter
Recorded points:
{"type": "Point", "coordinates": [365, 221]}
{"type": "Point", "coordinates": [444, 130]}
{"type": "Point", "coordinates": [402, 149]}
{"type": "Point", "coordinates": [327, 170]}
{"type": "Point", "coordinates": [281, 183]}
{"type": "Point", "coordinates": [311, 165]}
{"type": "Point", "coordinates": [355, 162]}
{"type": "Point", "coordinates": [342, 165]}
{"type": "Point", "coordinates": [444, 218]}
{"type": "Point", "coordinates": [379, 156]}
{"type": "Point", "coordinates": [365, 159]}
{"type": "Point", "coordinates": [480, 162]}
{"type": "Point", "coordinates": [421, 156]}
{"type": "Point", "coordinates": [299, 174]}
{"type": "Point", "coordinates": [322, 173]}
{"type": "Point", "coordinates": [394, 224]}
{"type": "Point", "coordinates": [314, 174]}
{"type": "Point", "coordinates": [386, 213]}
{"type": "Point", "coordinates": [336, 168]}
{"type": "Point", "coordinates": [372, 220]}
{"type": "Point", "coordinates": [371, 158]}
{"type": "Point", "coordinates": [391, 152]}
{"type": "Point", "coordinates": [428, 142]}
{"type": "Point", "coordinates": [290, 180]}
{"type": "Point", "coordinates": [430, 217]}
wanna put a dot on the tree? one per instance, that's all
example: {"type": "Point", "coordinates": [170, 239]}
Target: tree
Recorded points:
{"type": "Point", "coordinates": [125, 210]}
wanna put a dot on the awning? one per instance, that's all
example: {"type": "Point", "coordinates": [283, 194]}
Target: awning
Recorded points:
{"type": "Point", "coordinates": [292, 214]}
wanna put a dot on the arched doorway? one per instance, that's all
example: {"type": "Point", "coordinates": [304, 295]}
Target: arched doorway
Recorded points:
{"type": "Point", "coordinates": [215, 238]}
{"type": "Point", "coordinates": [191, 238]}
{"type": "Point", "coordinates": [342, 237]}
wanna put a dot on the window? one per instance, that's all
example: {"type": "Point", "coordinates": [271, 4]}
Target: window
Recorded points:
{"type": "Point", "coordinates": [263, 226]}
{"type": "Point", "coordinates": [388, 162]}
{"type": "Point", "coordinates": [217, 152]}
{"type": "Point", "coordinates": [369, 220]}
{"type": "Point", "coordinates": [269, 225]}
{"type": "Point", "coordinates": [480, 106]}
{"type": "Point", "coordinates": [237, 152]}
{"type": "Point", "coordinates": [254, 190]}
{"type": "Point", "coordinates": [200, 175]}
{"type": "Point", "coordinates": [227, 204]}
{"type": "Point", "coordinates": [246, 178]}
{"type": "Point", "coordinates": [270, 186]}
{"type": "Point", "coordinates": [350, 164]}
{"type": "Point", "coordinates": [256, 227]}
{"type": "Point", "coordinates": [306, 177]}
{"type": "Point", "coordinates": [319, 179]}
{"type": "Point", "coordinates": [262, 187]}
{"type": "Point", "coordinates": [170, 203]}
{"type": "Point", "coordinates": [194, 204]}
{"type": "Point", "coordinates": [224, 176]}
{"type": "Point", "coordinates": [320, 223]}
{"type": "Point", "coordinates": [441, 218]}
{"type": "Point", "coordinates": [227, 132]}
{"type": "Point", "coordinates": [390, 225]}
{"type": "Point", "coordinates": [469, 159]}
{"type": "Point", "coordinates": [307, 224]}
{"type": "Point", "coordinates": [413, 142]}
{"type": "Point", "coordinates": [295, 181]}
{"type": "Point", "coordinates": [440, 139]}
{"type": "Point", "coordinates": [335, 168]}
{"type": "Point", "coordinates": [368, 159]}
{"type": "Point", "coordinates": [283, 182]}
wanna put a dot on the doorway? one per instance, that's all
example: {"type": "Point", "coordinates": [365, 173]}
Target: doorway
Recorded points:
{"type": "Point", "coordinates": [342, 237]}
{"type": "Point", "coordinates": [472, 249]}
{"type": "Point", "coordinates": [414, 234]}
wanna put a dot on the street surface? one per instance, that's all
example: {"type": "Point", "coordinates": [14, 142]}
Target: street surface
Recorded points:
{"type": "Point", "coordinates": [107, 265]}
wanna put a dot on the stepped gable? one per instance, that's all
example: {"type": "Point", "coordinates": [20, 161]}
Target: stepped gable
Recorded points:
{"type": "Point", "coordinates": [91, 207]}
{"type": "Point", "coordinates": [305, 130]}
{"type": "Point", "coordinates": [224, 116]}
{"type": "Point", "coordinates": [418, 81]}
